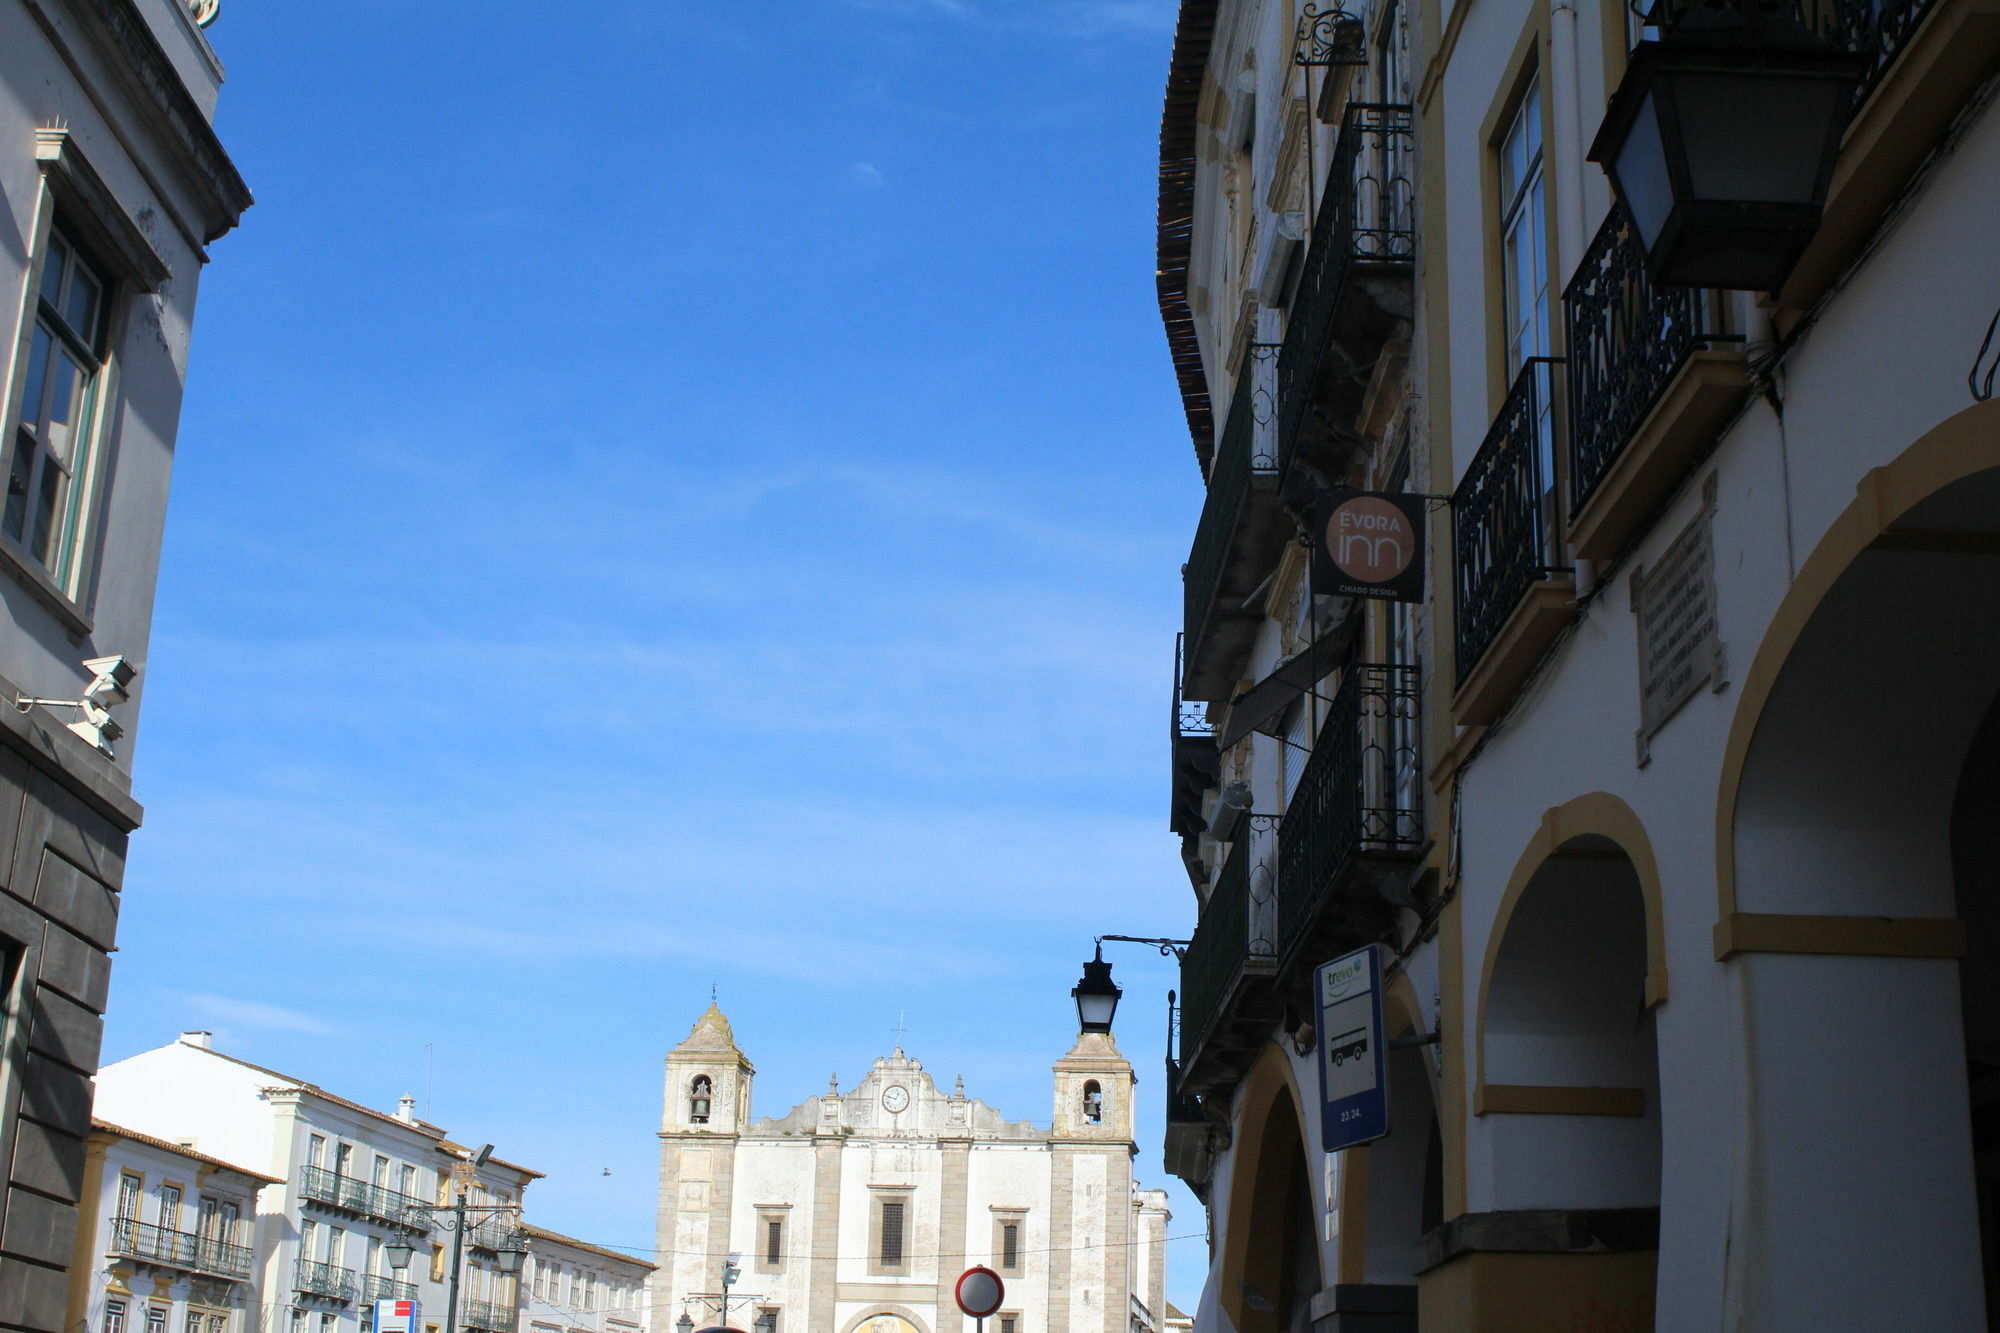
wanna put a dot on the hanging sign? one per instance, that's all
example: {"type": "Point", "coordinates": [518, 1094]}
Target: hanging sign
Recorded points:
{"type": "Point", "coordinates": [1369, 544]}
{"type": "Point", "coordinates": [397, 1316]}
{"type": "Point", "coordinates": [1354, 1092]}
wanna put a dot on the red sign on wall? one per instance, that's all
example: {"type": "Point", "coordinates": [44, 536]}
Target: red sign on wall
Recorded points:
{"type": "Point", "coordinates": [1369, 544]}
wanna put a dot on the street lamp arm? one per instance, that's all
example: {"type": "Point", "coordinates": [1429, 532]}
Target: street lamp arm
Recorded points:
{"type": "Point", "coordinates": [1174, 949]}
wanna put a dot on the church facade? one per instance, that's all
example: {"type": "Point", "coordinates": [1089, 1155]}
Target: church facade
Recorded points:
{"type": "Point", "coordinates": [856, 1211]}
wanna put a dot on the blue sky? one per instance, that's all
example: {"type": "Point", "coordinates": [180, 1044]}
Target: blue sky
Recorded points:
{"type": "Point", "coordinates": [670, 494]}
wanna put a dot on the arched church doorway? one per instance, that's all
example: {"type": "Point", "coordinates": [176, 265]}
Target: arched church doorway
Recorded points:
{"type": "Point", "coordinates": [1858, 865]}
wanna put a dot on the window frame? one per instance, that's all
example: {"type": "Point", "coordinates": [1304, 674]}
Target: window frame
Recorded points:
{"type": "Point", "coordinates": [880, 1201]}
{"type": "Point", "coordinates": [769, 1216]}
{"type": "Point", "coordinates": [1004, 1218]}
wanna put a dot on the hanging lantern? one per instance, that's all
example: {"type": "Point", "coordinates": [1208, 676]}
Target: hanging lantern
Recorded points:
{"type": "Point", "coordinates": [1721, 140]}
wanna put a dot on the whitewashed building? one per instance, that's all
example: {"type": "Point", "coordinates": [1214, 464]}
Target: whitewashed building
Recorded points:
{"type": "Point", "coordinates": [573, 1286]}
{"type": "Point", "coordinates": [1671, 804]}
{"type": "Point", "coordinates": [165, 1245]}
{"type": "Point", "coordinates": [113, 184]}
{"type": "Point", "coordinates": [355, 1183]}
{"type": "Point", "coordinates": [857, 1210]}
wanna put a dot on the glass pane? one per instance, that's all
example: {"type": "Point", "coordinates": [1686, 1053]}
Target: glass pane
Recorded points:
{"type": "Point", "coordinates": [47, 497]}
{"type": "Point", "coordinates": [38, 367]}
{"type": "Point", "coordinates": [19, 475]}
{"type": "Point", "coordinates": [52, 272]}
{"type": "Point", "coordinates": [85, 295]}
{"type": "Point", "coordinates": [65, 404]}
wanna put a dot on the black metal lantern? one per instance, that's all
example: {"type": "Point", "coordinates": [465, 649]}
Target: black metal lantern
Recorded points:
{"type": "Point", "coordinates": [1721, 139]}
{"type": "Point", "coordinates": [1096, 995]}
{"type": "Point", "coordinates": [400, 1252]}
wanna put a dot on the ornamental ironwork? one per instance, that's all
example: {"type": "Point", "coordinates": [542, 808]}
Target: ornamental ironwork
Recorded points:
{"type": "Point", "coordinates": [1219, 949]}
{"type": "Point", "coordinates": [1366, 219]}
{"type": "Point", "coordinates": [1877, 29]}
{"type": "Point", "coordinates": [359, 1196]}
{"type": "Point", "coordinates": [324, 1280]}
{"type": "Point", "coordinates": [1330, 37]}
{"type": "Point", "coordinates": [1361, 791]}
{"type": "Point", "coordinates": [1505, 514]}
{"type": "Point", "coordinates": [1626, 340]}
{"type": "Point", "coordinates": [1191, 720]}
{"type": "Point", "coordinates": [1237, 461]}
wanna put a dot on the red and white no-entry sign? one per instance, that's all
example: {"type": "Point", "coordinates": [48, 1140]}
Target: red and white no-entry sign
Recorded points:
{"type": "Point", "coordinates": [980, 1291]}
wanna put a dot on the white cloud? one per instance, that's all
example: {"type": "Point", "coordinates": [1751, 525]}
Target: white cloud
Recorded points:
{"type": "Point", "coordinates": [255, 1014]}
{"type": "Point", "coordinates": [865, 173]}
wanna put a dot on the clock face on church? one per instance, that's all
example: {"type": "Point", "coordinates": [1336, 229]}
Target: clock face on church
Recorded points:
{"type": "Point", "coordinates": [895, 1099]}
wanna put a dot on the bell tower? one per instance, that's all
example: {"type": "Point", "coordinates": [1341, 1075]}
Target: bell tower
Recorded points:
{"type": "Point", "coordinates": [705, 1107]}
{"type": "Point", "coordinates": [1094, 1087]}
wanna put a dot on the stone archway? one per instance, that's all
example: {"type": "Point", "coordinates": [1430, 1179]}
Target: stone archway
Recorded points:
{"type": "Point", "coordinates": [1855, 815]}
{"type": "Point", "coordinates": [1271, 1260]}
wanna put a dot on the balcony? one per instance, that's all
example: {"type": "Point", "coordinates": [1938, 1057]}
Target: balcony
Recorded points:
{"type": "Point", "coordinates": [495, 1233]}
{"type": "Point", "coordinates": [325, 1281]}
{"type": "Point", "coordinates": [1354, 294]}
{"type": "Point", "coordinates": [376, 1287]}
{"type": "Point", "coordinates": [1514, 594]}
{"type": "Point", "coordinates": [355, 1195]}
{"type": "Point", "coordinates": [487, 1315]}
{"type": "Point", "coordinates": [1226, 978]}
{"type": "Point", "coordinates": [180, 1249]}
{"type": "Point", "coordinates": [1188, 1149]}
{"type": "Point", "coordinates": [1652, 378]}
{"type": "Point", "coordinates": [1359, 802]}
{"type": "Point", "coordinates": [1927, 60]}
{"type": "Point", "coordinates": [1234, 544]}
{"type": "Point", "coordinates": [1195, 763]}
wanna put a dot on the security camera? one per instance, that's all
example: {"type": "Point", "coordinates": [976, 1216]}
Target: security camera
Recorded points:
{"type": "Point", "coordinates": [109, 679]}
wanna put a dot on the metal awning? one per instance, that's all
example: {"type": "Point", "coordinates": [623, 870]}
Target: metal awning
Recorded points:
{"type": "Point", "coordinates": [1260, 707]}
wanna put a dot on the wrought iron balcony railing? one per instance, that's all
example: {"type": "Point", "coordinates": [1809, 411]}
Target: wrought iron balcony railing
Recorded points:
{"type": "Point", "coordinates": [1194, 755]}
{"type": "Point", "coordinates": [1221, 943]}
{"type": "Point", "coordinates": [180, 1249]}
{"type": "Point", "coordinates": [1627, 339]}
{"type": "Point", "coordinates": [324, 1280]}
{"type": "Point", "coordinates": [1361, 792]}
{"type": "Point", "coordinates": [488, 1315]}
{"type": "Point", "coordinates": [358, 1196]}
{"type": "Point", "coordinates": [1505, 513]}
{"type": "Point", "coordinates": [1877, 29]}
{"type": "Point", "coordinates": [377, 1287]}
{"type": "Point", "coordinates": [494, 1233]}
{"type": "Point", "coordinates": [1366, 220]}
{"type": "Point", "coordinates": [1239, 462]}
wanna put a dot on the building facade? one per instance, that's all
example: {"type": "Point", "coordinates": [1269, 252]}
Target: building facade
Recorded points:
{"type": "Point", "coordinates": [165, 1242]}
{"type": "Point", "coordinates": [112, 186]}
{"type": "Point", "coordinates": [857, 1211]}
{"type": "Point", "coordinates": [572, 1286]}
{"type": "Point", "coordinates": [353, 1184]}
{"type": "Point", "coordinates": [1668, 797]}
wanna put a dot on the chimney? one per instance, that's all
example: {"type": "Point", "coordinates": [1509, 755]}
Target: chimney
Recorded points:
{"type": "Point", "coordinates": [406, 1109]}
{"type": "Point", "coordinates": [205, 1040]}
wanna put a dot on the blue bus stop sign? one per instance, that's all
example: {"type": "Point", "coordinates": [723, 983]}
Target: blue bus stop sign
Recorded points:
{"type": "Point", "coordinates": [1354, 1089]}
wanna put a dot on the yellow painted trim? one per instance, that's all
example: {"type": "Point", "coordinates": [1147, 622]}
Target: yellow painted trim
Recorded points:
{"type": "Point", "coordinates": [84, 1254]}
{"type": "Point", "coordinates": [1548, 608]}
{"type": "Point", "coordinates": [1433, 77]}
{"type": "Point", "coordinates": [1269, 1079]}
{"type": "Point", "coordinates": [1954, 449]}
{"type": "Point", "coordinates": [1598, 814]}
{"type": "Point", "coordinates": [1851, 936]}
{"type": "Point", "coordinates": [1352, 1261]}
{"type": "Point", "coordinates": [1531, 1099]}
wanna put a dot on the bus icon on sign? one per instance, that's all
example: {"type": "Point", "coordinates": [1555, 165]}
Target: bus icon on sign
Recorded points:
{"type": "Point", "coordinates": [1348, 1046]}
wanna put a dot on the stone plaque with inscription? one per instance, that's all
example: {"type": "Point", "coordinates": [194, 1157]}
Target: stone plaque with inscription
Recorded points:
{"type": "Point", "coordinates": [1673, 600]}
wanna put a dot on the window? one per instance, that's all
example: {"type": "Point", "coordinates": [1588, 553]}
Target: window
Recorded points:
{"type": "Point", "coordinates": [298, 1323]}
{"type": "Point", "coordinates": [170, 1207]}
{"type": "Point", "coordinates": [408, 1179]}
{"type": "Point", "coordinates": [770, 1240]}
{"type": "Point", "coordinates": [328, 1321]}
{"type": "Point", "coordinates": [542, 1278]}
{"type": "Point", "coordinates": [156, 1319]}
{"type": "Point", "coordinates": [308, 1239]}
{"type": "Point", "coordinates": [1009, 1227]}
{"type": "Point", "coordinates": [336, 1246]}
{"type": "Point", "coordinates": [208, 1217]}
{"type": "Point", "coordinates": [437, 1262]}
{"type": "Point", "coordinates": [114, 1317]}
{"type": "Point", "coordinates": [129, 1187]}
{"type": "Point", "coordinates": [1009, 1323]}
{"type": "Point", "coordinates": [225, 1227]}
{"type": "Point", "coordinates": [374, 1261]}
{"type": "Point", "coordinates": [891, 1228]}
{"type": "Point", "coordinates": [1093, 1103]}
{"type": "Point", "coordinates": [193, 1322]}
{"type": "Point", "coordinates": [316, 1150]}
{"type": "Point", "coordinates": [49, 476]}
{"type": "Point", "coordinates": [701, 1095]}
{"type": "Point", "coordinates": [343, 1159]}
{"type": "Point", "coordinates": [217, 1323]}
{"type": "Point", "coordinates": [379, 1175]}
{"type": "Point", "coordinates": [1524, 235]}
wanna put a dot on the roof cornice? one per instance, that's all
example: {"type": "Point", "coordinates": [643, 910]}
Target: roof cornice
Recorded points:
{"type": "Point", "coordinates": [1193, 35]}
